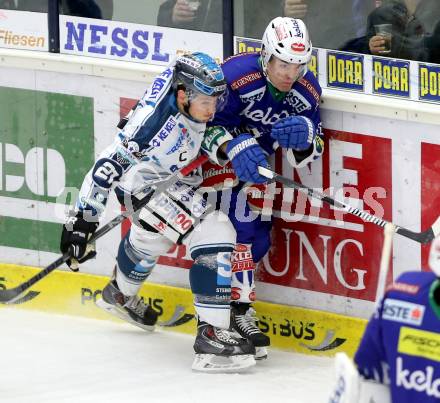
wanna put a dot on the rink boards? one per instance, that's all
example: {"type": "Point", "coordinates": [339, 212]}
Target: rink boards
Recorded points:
{"type": "Point", "coordinates": [290, 328]}
{"type": "Point", "coordinates": [381, 155]}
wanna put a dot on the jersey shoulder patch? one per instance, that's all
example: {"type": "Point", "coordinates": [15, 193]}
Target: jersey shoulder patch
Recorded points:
{"type": "Point", "coordinates": [246, 79]}
{"type": "Point", "coordinates": [311, 85]}
{"type": "Point", "coordinates": [410, 284]}
{"type": "Point", "coordinates": [243, 72]}
{"type": "Point", "coordinates": [403, 287]}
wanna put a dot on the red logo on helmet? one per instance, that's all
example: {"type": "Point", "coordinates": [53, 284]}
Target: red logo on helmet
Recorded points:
{"type": "Point", "coordinates": [298, 47]}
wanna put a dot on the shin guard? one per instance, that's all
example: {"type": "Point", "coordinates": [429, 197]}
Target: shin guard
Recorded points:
{"type": "Point", "coordinates": [210, 278]}
{"type": "Point", "coordinates": [133, 268]}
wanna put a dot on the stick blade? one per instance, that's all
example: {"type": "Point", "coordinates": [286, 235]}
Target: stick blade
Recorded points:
{"type": "Point", "coordinates": [9, 296]}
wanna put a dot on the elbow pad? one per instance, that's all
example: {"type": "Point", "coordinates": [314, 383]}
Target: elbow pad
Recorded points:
{"type": "Point", "coordinates": [214, 138]}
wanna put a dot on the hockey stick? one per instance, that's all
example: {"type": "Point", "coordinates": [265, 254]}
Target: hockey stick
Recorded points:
{"type": "Point", "coordinates": [385, 260]}
{"type": "Point", "coordinates": [9, 296]}
{"type": "Point", "coordinates": [421, 237]}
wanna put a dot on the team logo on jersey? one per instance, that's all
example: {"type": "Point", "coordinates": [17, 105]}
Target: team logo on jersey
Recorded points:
{"type": "Point", "coordinates": [404, 312]}
{"type": "Point", "coordinates": [255, 95]}
{"type": "Point", "coordinates": [181, 140]}
{"type": "Point", "coordinates": [266, 117]}
{"type": "Point", "coordinates": [422, 381]}
{"type": "Point", "coordinates": [132, 146]}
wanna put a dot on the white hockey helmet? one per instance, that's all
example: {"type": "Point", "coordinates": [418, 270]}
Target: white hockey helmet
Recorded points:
{"type": "Point", "coordinates": [434, 256]}
{"type": "Point", "coordinates": [287, 39]}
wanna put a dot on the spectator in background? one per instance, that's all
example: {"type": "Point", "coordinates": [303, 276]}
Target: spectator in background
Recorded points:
{"type": "Point", "coordinates": [434, 45]}
{"type": "Point", "coordinates": [331, 23]}
{"type": "Point", "coordinates": [88, 8]}
{"type": "Point", "coordinates": [408, 40]}
{"type": "Point", "coordinates": [199, 15]}
{"type": "Point", "coordinates": [80, 8]}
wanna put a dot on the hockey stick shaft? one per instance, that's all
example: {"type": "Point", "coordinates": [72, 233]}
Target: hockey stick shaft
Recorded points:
{"type": "Point", "coordinates": [385, 260]}
{"type": "Point", "coordinates": [8, 296]}
{"type": "Point", "coordinates": [421, 237]}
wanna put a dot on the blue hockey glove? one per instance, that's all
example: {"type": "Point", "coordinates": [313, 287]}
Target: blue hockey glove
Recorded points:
{"type": "Point", "coordinates": [246, 156]}
{"type": "Point", "coordinates": [297, 132]}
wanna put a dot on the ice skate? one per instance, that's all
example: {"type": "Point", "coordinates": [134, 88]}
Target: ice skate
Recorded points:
{"type": "Point", "coordinates": [219, 350]}
{"type": "Point", "coordinates": [244, 322]}
{"type": "Point", "coordinates": [130, 309]}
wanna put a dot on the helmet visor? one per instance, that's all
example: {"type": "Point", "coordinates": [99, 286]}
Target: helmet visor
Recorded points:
{"type": "Point", "coordinates": [203, 107]}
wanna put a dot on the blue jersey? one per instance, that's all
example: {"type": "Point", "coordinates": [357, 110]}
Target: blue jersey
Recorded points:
{"type": "Point", "coordinates": [251, 108]}
{"type": "Point", "coordinates": [401, 345]}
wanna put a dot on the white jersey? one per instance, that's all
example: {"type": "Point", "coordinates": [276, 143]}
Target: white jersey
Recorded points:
{"type": "Point", "coordinates": [156, 141]}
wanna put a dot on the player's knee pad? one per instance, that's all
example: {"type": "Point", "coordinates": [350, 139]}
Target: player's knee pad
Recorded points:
{"type": "Point", "coordinates": [243, 273]}
{"type": "Point", "coordinates": [210, 279]}
{"type": "Point", "coordinates": [133, 267]}
{"type": "Point", "coordinates": [215, 233]}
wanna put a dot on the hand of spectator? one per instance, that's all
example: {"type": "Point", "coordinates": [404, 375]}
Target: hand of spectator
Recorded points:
{"type": "Point", "coordinates": [376, 45]}
{"type": "Point", "coordinates": [295, 8]}
{"type": "Point", "coordinates": [182, 12]}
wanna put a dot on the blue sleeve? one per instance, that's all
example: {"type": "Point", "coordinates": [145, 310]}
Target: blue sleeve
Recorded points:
{"type": "Point", "coordinates": [370, 357]}
{"type": "Point", "coordinates": [229, 117]}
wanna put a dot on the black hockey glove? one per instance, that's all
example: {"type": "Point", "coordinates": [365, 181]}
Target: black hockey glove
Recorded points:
{"type": "Point", "coordinates": [76, 232]}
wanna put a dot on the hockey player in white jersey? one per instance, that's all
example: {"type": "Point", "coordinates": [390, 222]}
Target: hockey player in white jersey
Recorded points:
{"type": "Point", "coordinates": [162, 134]}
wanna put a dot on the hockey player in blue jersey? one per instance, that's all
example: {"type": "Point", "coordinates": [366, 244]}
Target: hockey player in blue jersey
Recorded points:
{"type": "Point", "coordinates": [162, 134]}
{"type": "Point", "coordinates": [401, 344]}
{"type": "Point", "coordinates": [273, 100]}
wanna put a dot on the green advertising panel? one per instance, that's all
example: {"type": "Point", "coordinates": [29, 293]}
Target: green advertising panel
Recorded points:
{"type": "Point", "coordinates": [46, 144]}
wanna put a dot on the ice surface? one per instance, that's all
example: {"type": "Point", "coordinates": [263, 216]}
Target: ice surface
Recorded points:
{"type": "Point", "coordinates": [54, 358]}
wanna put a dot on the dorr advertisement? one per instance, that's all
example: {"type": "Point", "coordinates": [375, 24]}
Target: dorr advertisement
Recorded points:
{"type": "Point", "coordinates": [23, 30]}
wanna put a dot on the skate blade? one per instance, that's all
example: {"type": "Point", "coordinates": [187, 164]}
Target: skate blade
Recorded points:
{"type": "Point", "coordinates": [260, 353]}
{"type": "Point", "coordinates": [121, 314]}
{"type": "Point", "coordinates": [222, 364]}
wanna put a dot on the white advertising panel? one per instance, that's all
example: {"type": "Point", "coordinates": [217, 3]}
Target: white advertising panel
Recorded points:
{"type": "Point", "coordinates": [321, 258]}
{"type": "Point", "coordinates": [133, 42]}
{"type": "Point", "coordinates": [23, 30]}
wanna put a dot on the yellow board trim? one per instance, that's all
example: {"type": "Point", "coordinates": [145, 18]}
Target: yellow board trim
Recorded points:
{"type": "Point", "coordinates": [290, 328]}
